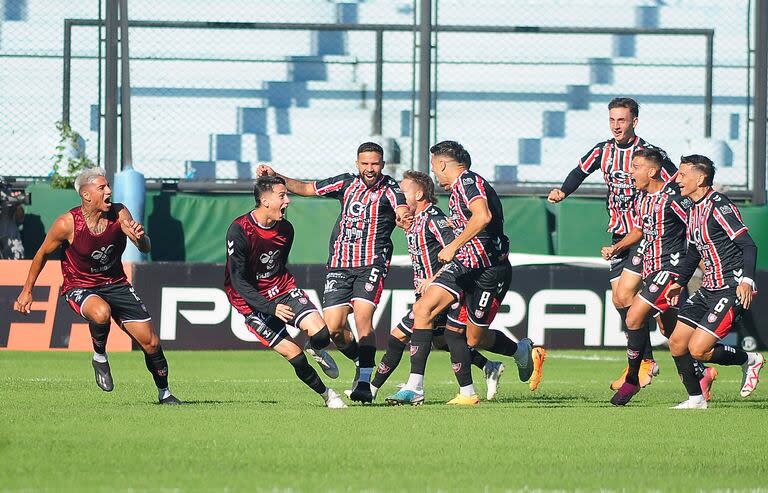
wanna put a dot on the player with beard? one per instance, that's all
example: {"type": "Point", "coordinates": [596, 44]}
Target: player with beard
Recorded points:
{"type": "Point", "coordinates": [717, 235]}
{"type": "Point", "coordinates": [613, 158]}
{"type": "Point", "coordinates": [429, 233]}
{"type": "Point", "coordinates": [477, 266]}
{"type": "Point", "coordinates": [260, 287]}
{"type": "Point", "coordinates": [360, 251]}
{"type": "Point", "coordinates": [661, 217]}
{"type": "Point", "coordinates": [92, 238]}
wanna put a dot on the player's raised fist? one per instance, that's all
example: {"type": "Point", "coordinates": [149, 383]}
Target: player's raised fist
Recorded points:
{"type": "Point", "coordinates": [446, 254]}
{"type": "Point", "coordinates": [607, 252]}
{"type": "Point", "coordinates": [555, 196]}
{"type": "Point", "coordinates": [264, 170]}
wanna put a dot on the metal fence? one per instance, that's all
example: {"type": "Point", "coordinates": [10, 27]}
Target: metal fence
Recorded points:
{"type": "Point", "coordinates": [299, 83]}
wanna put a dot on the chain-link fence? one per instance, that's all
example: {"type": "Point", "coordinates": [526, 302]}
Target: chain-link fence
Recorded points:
{"type": "Point", "coordinates": [210, 100]}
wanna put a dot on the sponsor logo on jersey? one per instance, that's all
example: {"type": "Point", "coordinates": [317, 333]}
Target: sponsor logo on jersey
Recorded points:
{"type": "Point", "coordinates": [726, 209]}
{"type": "Point", "coordinates": [269, 258]}
{"type": "Point", "coordinates": [653, 288]}
{"type": "Point", "coordinates": [468, 180]}
{"type": "Point", "coordinates": [103, 254]}
{"type": "Point", "coordinates": [479, 313]}
{"type": "Point", "coordinates": [303, 301]}
{"type": "Point", "coordinates": [369, 287]}
{"type": "Point", "coordinates": [330, 285]}
{"type": "Point", "coordinates": [356, 208]}
{"type": "Point", "coordinates": [636, 260]}
{"type": "Point", "coordinates": [712, 318]}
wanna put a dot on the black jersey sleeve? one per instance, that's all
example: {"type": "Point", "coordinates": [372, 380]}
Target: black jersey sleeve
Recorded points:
{"type": "Point", "coordinates": [573, 180]}
{"type": "Point", "coordinates": [590, 161]}
{"type": "Point", "coordinates": [473, 187]}
{"type": "Point", "coordinates": [748, 254]}
{"type": "Point", "coordinates": [334, 186]}
{"type": "Point", "coordinates": [237, 252]}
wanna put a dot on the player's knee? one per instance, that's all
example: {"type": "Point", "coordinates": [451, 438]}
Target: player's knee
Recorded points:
{"type": "Point", "coordinates": [151, 345]}
{"type": "Point", "coordinates": [100, 313]}
{"type": "Point", "coordinates": [422, 310]}
{"type": "Point", "coordinates": [634, 320]}
{"type": "Point", "coordinates": [677, 347]}
{"type": "Point", "coordinates": [699, 353]}
{"type": "Point", "coordinates": [321, 339]}
{"type": "Point", "coordinates": [474, 340]}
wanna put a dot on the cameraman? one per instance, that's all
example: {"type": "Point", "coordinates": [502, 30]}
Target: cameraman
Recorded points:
{"type": "Point", "coordinates": [11, 217]}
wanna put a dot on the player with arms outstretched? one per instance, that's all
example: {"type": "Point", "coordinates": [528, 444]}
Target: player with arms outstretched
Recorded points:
{"type": "Point", "coordinates": [260, 287]}
{"type": "Point", "coordinates": [359, 254]}
{"type": "Point", "coordinates": [613, 158]}
{"type": "Point", "coordinates": [92, 238]}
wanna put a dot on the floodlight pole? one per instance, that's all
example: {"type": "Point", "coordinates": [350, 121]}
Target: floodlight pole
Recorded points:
{"type": "Point", "coordinates": [425, 86]}
{"type": "Point", "coordinates": [110, 99]}
{"type": "Point", "coordinates": [125, 90]}
{"type": "Point", "coordinates": [760, 101]}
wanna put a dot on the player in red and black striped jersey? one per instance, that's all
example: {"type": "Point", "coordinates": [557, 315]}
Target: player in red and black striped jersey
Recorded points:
{"type": "Point", "coordinates": [717, 235]}
{"type": "Point", "coordinates": [613, 158]}
{"type": "Point", "coordinates": [430, 232]}
{"type": "Point", "coordinates": [477, 265]}
{"type": "Point", "coordinates": [359, 253]}
{"type": "Point", "coordinates": [259, 285]}
{"type": "Point", "coordinates": [661, 215]}
{"type": "Point", "coordinates": [92, 238]}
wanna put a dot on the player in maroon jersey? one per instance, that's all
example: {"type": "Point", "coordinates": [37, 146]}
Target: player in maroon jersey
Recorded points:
{"type": "Point", "coordinates": [661, 215]}
{"type": "Point", "coordinates": [477, 266]}
{"type": "Point", "coordinates": [359, 253]}
{"type": "Point", "coordinates": [92, 237]}
{"type": "Point", "coordinates": [613, 158]}
{"type": "Point", "coordinates": [430, 232]}
{"type": "Point", "coordinates": [717, 235]}
{"type": "Point", "coordinates": [260, 287]}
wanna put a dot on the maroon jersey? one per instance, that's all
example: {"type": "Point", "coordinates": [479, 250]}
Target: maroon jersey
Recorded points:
{"type": "Point", "coordinates": [93, 260]}
{"type": "Point", "coordinates": [662, 217]}
{"type": "Point", "coordinates": [428, 234]}
{"type": "Point", "coordinates": [361, 235]}
{"type": "Point", "coordinates": [256, 271]}
{"type": "Point", "coordinates": [714, 223]}
{"type": "Point", "coordinates": [490, 245]}
{"type": "Point", "coordinates": [615, 161]}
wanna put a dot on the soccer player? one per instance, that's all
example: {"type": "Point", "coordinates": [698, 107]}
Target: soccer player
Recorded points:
{"type": "Point", "coordinates": [613, 158]}
{"type": "Point", "coordinates": [260, 287]}
{"type": "Point", "coordinates": [92, 238]}
{"type": "Point", "coordinates": [477, 265]}
{"type": "Point", "coordinates": [660, 221]}
{"type": "Point", "coordinates": [359, 253]}
{"type": "Point", "coordinates": [429, 233]}
{"type": "Point", "coordinates": [717, 235]}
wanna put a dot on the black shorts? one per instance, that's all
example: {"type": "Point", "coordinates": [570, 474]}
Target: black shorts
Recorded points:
{"type": "Point", "coordinates": [712, 311]}
{"type": "Point", "coordinates": [483, 291]}
{"type": "Point", "coordinates": [655, 287]}
{"type": "Point", "coordinates": [268, 328]}
{"type": "Point", "coordinates": [630, 259]}
{"type": "Point", "coordinates": [124, 304]}
{"type": "Point", "coordinates": [345, 286]}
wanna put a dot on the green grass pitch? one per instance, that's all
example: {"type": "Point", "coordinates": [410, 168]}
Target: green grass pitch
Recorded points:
{"type": "Point", "coordinates": [250, 425]}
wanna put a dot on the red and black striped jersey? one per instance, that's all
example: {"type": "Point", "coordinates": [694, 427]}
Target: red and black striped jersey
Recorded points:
{"type": "Point", "coordinates": [490, 245]}
{"type": "Point", "coordinates": [662, 217]}
{"type": "Point", "coordinates": [615, 161]}
{"type": "Point", "coordinates": [361, 235]}
{"type": "Point", "coordinates": [428, 234]}
{"type": "Point", "coordinates": [256, 271]}
{"type": "Point", "coordinates": [713, 224]}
